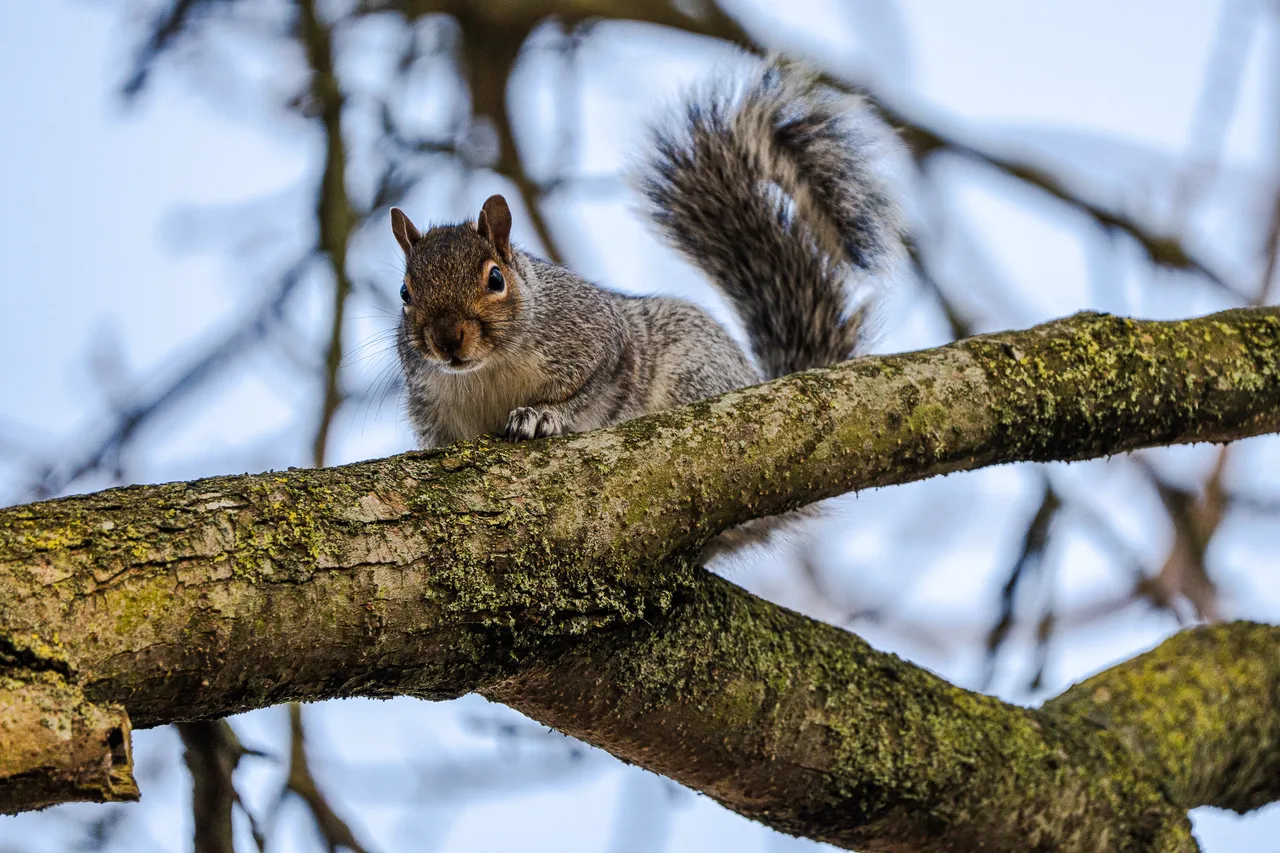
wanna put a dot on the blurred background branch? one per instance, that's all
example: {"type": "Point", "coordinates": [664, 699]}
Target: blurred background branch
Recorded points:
{"type": "Point", "coordinates": [434, 104]}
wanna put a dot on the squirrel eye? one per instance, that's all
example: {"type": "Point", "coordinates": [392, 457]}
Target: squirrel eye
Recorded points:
{"type": "Point", "coordinates": [496, 282]}
{"type": "Point", "coordinates": [404, 293]}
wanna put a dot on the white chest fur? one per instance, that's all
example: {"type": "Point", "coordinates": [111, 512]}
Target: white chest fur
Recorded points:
{"type": "Point", "coordinates": [471, 404]}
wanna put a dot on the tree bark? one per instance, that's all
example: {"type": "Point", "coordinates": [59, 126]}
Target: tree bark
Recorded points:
{"type": "Point", "coordinates": [806, 728]}
{"type": "Point", "coordinates": [560, 577]}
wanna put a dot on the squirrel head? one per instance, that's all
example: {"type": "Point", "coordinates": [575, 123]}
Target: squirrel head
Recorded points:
{"type": "Point", "coordinates": [461, 294]}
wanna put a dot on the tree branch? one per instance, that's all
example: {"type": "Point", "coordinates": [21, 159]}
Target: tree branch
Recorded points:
{"type": "Point", "coordinates": [56, 746]}
{"type": "Point", "coordinates": [484, 566]}
{"type": "Point", "coordinates": [1222, 683]}
{"type": "Point", "coordinates": [302, 784]}
{"type": "Point", "coordinates": [212, 751]}
{"type": "Point", "coordinates": [131, 421]}
{"type": "Point", "coordinates": [333, 208]}
{"type": "Point", "coordinates": [806, 728]}
{"type": "Point", "coordinates": [1163, 249]}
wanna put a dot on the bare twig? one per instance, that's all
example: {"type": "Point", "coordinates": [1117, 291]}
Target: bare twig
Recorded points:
{"type": "Point", "coordinates": [165, 28]}
{"type": "Point", "coordinates": [212, 753]}
{"type": "Point", "coordinates": [1271, 252]}
{"type": "Point", "coordinates": [1195, 520]}
{"type": "Point", "coordinates": [130, 422]}
{"type": "Point", "coordinates": [333, 208]}
{"type": "Point", "coordinates": [960, 325]}
{"type": "Point", "coordinates": [1030, 559]}
{"type": "Point", "coordinates": [490, 55]}
{"type": "Point", "coordinates": [1163, 250]}
{"type": "Point", "coordinates": [1217, 104]}
{"type": "Point", "coordinates": [336, 223]}
{"type": "Point", "coordinates": [300, 783]}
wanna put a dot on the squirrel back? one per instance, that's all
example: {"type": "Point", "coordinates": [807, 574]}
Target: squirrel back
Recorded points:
{"type": "Point", "coordinates": [771, 191]}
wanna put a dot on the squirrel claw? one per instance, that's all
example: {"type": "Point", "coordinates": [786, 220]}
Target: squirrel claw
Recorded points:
{"type": "Point", "coordinates": [526, 422]}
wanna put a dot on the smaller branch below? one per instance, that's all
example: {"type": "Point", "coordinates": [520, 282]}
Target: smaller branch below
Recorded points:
{"type": "Point", "coordinates": [303, 785]}
{"type": "Point", "coordinates": [58, 747]}
{"type": "Point", "coordinates": [1203, 708]}
{"type": "Point", "coordinates": [212, 753]}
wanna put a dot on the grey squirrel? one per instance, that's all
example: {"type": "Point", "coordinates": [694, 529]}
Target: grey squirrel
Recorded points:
{"type": "Point", "coordinates": [768, 189]}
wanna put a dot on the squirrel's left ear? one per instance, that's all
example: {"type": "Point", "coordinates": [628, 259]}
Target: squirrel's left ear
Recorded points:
{"type": "Point", "coordinates": [406, 233]}
{"type": "Point", "coordinates": [494, 224]}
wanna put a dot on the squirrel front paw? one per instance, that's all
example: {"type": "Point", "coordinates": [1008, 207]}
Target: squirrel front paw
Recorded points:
{"type": "Point", "coordinates": [527, 422]}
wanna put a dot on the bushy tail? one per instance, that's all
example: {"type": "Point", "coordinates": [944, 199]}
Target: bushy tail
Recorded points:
{"type": "Point", "coordinates": [770, 189]}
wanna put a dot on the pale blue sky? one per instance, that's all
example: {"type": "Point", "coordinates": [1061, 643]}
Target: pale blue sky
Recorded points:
{"type": "Point", "coordinates": [92, 253]}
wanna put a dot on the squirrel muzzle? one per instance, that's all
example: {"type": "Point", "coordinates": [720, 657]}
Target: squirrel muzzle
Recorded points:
{"type": "Point", "coordinates": [455, 342]}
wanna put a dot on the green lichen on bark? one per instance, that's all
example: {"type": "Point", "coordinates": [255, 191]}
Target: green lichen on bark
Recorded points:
{"type": "Point", "coordinates": [1203, 709]}
{"type": "Point", "coordinates": [1107, 379]}
{"type": "Point", "coordinates": [800, 725]}
{"type": "Point", "coordinates": [560, 576]}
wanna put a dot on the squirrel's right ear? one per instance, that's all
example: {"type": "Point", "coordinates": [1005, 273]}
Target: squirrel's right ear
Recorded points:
{"type": "Point", "coordinates": [406, 233]}
{"type": "Point", "coordinates": [494, 224]}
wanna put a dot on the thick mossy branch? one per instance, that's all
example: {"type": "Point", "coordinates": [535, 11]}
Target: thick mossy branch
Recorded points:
{"type": "Point", "coordinates": [806, 728]}
{"type": "Point", "coordinates": [434, 574]}
{"type": "Point", "coordinates": [1203, 708]}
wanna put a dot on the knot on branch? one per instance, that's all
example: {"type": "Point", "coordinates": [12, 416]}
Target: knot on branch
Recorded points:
{"type": "Point", "coordinates": [56, 745]}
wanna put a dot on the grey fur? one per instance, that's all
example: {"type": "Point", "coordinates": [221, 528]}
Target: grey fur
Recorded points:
{"type": "Point", "coordinates": [773, 195]}
{"type": "Point", "coordinates": [574, 357]}
{"type": "Point", "coordinates": [769, 190]}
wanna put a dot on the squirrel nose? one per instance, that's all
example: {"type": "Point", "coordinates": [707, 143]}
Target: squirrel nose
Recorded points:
{"type": "Point", "coordinates": [449, 336]}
